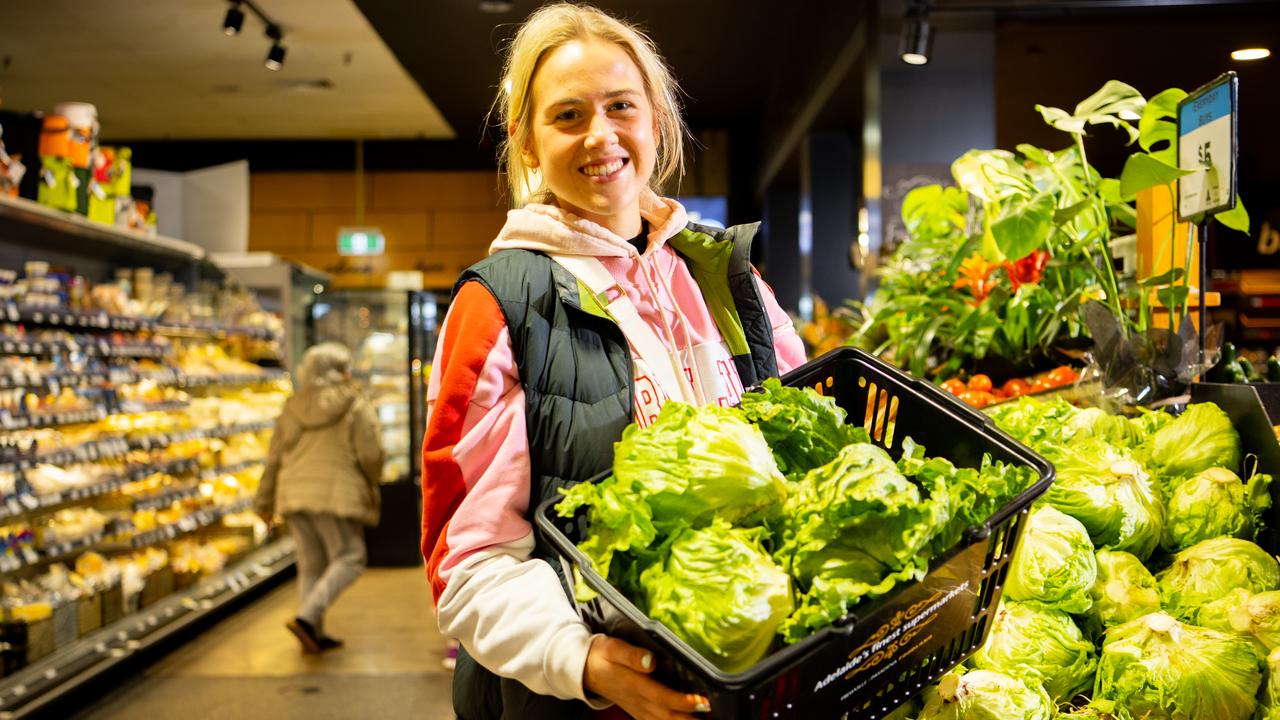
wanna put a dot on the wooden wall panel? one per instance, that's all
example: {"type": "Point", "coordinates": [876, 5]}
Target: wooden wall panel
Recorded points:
{"type": "Point", "coordinates": [304, 191]}
{"type": "Point", "coordinates": [436, 190]}
{"type": "Point", "coordinates": [279, 231]}
{"type": "Point", "coordinates": [403, 231]}
{"type": "Point", "coordinates": [436, 223]}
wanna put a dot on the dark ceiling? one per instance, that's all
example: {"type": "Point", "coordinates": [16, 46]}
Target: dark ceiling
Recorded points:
{"type": "Point", "coordinates": [736, 61]}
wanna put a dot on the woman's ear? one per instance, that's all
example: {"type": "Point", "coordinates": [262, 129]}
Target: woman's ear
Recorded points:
{"type": "Point", "coordinates": [526, 155]}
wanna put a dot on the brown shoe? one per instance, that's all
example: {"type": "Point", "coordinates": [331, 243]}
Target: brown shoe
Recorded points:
{"type": "Point", "coordinates": [330, 643]}
{"type": "Point", "coordinates": [306, 635]}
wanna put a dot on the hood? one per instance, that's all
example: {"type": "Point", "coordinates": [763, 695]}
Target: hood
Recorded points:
{"type": "Point", "coordinates": [323, 406]}
{"type": "Point", "coordinates": [553, 230]}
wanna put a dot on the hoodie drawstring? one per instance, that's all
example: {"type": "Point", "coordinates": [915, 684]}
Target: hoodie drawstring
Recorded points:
{"type": "Point", "coordinates": [696, 380]}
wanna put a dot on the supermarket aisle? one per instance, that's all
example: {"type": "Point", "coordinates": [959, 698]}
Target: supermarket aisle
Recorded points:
{"type": "Point", "coordinates": [250, 666]}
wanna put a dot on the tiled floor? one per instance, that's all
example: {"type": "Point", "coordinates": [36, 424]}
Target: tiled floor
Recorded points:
{"type": "Point", "coordinates": [249, 666]}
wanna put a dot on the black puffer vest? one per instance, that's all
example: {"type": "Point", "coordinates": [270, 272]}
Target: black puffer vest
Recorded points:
{"type": "Point", "coordinates": [575, 366]}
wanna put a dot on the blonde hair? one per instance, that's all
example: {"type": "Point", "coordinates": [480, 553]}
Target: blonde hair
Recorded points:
{"type": "Point", "coordinates": [326, 364]}
{"type": "Point", "coordinates": [548, 28]}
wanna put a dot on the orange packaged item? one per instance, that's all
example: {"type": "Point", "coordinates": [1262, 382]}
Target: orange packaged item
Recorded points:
{"type": "Point", "coordinates": [55, 137]}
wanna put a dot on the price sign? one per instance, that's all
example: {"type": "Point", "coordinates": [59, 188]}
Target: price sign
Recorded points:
{"type": "Point", "coordinates": [1207, 146]}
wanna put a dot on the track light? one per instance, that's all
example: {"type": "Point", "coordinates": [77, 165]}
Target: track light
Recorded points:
{"type": "Point", "coordinates": [275, 56]}
{"type": "Point", "coordinates": [234, 20]}
{"type": "Point", "coordinates": [917, 35]}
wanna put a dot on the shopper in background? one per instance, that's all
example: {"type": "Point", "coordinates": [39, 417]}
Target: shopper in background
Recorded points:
{"type": "Point", "coordinates": [598, 303]}
{"type": "Point", "coordinates": [322, 475]}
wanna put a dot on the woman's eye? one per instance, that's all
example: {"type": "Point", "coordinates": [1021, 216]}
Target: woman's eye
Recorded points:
{"type": "Point", "coordinates": [567, 115]}
{"type": "Point", "coordinates": [621, 105]}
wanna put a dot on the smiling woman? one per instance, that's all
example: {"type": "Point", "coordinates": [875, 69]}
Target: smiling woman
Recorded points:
{"type": "Point", "coordinates": [599, 303]}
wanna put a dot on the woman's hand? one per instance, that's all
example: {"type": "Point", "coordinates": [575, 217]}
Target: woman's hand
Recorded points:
{"type": "Point", "coordinates": [619, 671]}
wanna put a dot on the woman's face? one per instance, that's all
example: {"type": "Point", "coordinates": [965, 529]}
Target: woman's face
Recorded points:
{"type": "Point", "coordinates": [593, 134]}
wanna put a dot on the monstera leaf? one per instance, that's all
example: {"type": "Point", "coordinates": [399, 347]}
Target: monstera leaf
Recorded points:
{"type": "Point", "coordinates": [1159, 123]}
{"type": "Point", "coordinates": [1116, 104]}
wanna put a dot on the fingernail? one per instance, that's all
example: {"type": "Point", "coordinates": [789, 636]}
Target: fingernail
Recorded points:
{"type": "Point", "coordinates": [647, 661]}
{"type": "Point", "coordinates": [702, 706]}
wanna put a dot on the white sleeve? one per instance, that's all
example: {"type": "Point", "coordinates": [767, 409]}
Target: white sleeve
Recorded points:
{"type": "Point", "coordinates": [511, 614]}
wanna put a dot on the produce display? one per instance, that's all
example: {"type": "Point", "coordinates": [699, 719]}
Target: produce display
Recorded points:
{"type": "Point", "coordinates": [980, 392]}
{"type": "Point", "coordinates": [1009, 270]}
{"type": "Point", "coordinates": [803, 514]}
{"type": "Point", "coordinates": [1138, 591]}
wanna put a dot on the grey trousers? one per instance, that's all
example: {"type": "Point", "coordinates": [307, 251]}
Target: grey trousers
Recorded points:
{"type": "Point", "coordinates": [331, 556]}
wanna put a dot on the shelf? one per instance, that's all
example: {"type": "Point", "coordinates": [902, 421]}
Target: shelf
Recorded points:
{"type": "Point", "coordinates": [103, 321]}
{"type": "Point", "coordinates": [30, 689]}
{"type": "Point", "coordinates": [116, 376]}
{"type": "Point", "coordinates": [63, 550]}
{"type": "Point", "coordinates": [231, 469]}
{"type": "Point", "coordinates": [34, 224]}
{"type": "Point", "coordinates": [9, 421]}
{"type": "Point", "coordinates": [27, 503]}
{"type": "Point", "coordinates": [193, 522]}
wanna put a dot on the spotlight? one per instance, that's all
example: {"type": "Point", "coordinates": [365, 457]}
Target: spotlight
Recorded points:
{"type": "Point", "coordinates": [234, 20]}
{"type": "Point", "coordinates": [917, 36]}
{"type": "Point", "coordinates": [275, 56]}
{"type": "Point", "coordinates": [1251, 54]}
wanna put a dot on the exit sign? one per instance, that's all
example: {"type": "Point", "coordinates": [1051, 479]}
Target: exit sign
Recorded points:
{"type": "Point", "coordinates": [361, 241]}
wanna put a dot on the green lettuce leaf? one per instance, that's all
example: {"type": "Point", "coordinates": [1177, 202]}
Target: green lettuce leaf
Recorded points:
{"type": "Point", "coordinates": [985, 695]}
{"type": "Point", "coordinates": [804, 429]}
{"type": "Point", "coordinates": [1039, 646]}
{"type": "Point", "coordinates": [1125, 590]}
{"type": "Point", "coordinates": [1157, 667]}
{"type": "Point", "coordinates": [1210, 569]}
{"type": "Point", "coordinates": [1198, 439]}
{"type": "Point", "coordinates": [1109, 492]}
{"type": "Point", "coordinates": [1054, 567]}
{"type": "Point", "coordinates": [1254, 616]}
{"type": "Point", "coordinates": [693, 464]}
{"type": "Point", "coordinates": [719, 591]}
{"type": "Point", "coordinates": [852, 530]}
{"type": "Point", "coordinates": [1036, 422]}
{"type": "Point", "coordinates": [1215, 503]}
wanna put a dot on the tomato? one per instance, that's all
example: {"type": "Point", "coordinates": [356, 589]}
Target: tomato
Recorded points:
{"type": "Point", "coordinates": [953, 386]}
{"type": "Point", "coordinates": [980, 383]}
{"type": "Point", "coordinates": [1061, 376]}
{"type": "Point", "coordinates": [975, 398]}
{"type": "Point", "coordinates": [1016, 387]}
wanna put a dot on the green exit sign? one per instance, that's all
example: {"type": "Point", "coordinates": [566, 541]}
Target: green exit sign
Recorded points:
{"type": "Point", "coordinates": [361, 241]}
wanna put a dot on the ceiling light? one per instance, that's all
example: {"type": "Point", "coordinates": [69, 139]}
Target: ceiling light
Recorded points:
{"type": "Point", "coordinates": [1250, 54]}
{"type": "Point", "coordinates": [917, 36]}
{"type": "Point", "coordinates": [275, 56]}
{"type": "Point", "coordinates": [234, 20]}
{"type": "Point", "coordinates": [496, 7]}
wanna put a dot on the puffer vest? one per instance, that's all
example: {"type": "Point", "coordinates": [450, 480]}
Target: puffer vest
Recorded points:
{"type": "Point", "coordinates": [576, 369]}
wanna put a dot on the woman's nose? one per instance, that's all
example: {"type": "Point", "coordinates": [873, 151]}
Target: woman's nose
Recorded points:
{"type": "Point", "coordinates": [600, 133]}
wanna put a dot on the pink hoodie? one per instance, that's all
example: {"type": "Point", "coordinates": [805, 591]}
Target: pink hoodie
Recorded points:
{"type": "Point", "coordinates": [508, 610]}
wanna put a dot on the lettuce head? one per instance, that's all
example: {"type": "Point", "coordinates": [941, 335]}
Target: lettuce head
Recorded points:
{"type": "Point", "coordinates": [1209, 570]}
{"type": "Point", "coordinates": [1039, 646]}
{"type": "Point", "coordinates": [804, 429]}
{"type": "Point", "coordinates": [719, 591]}
{"type": "Point", "coordinates": [1098, 423]}
{"type": "Point", "coordinates": [1255, 616]}
{"type": "Point", "coordinates": [693, 464]}
{"type": "Point", "coordinates": [852, 530]}
{"type": "Point", "coordinates": [985, 695]}
{"type": "Point", "coordinates": [1269, 708]}
{"type": "Point", "coordinates": [1036, 422]}
{"type": "Point", "coordinates": [1156, 667]}
{"type": "Point", "coordinates": [1125, 590]}
{"type": "Point", "coordinates": [1054, 567]}
{"type": "Point", "coordinates": [1109, 492]}
{"type": "Point", "coordinates": [1215, 503]}
{"type": "Point", "coordinates": [1198, 439]}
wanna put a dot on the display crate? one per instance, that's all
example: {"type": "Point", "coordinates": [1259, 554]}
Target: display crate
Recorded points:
{"type": "Point", "coordinates": [869, 663]}
{"type": "Point", "coordinates": [89, 608]}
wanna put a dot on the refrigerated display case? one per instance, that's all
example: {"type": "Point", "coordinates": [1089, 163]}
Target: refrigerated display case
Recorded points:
{"type": "Point", "coordinates": [392, 337]}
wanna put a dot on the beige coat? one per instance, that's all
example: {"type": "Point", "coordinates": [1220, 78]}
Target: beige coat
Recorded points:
{"type": "Point", "coordinates": [325, 457]}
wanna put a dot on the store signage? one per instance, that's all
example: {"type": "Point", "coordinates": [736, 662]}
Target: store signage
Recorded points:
{"type": "Point", "coordinates": [361, 241]}
{"type": "Point", "coordinates": [1207, 147]}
